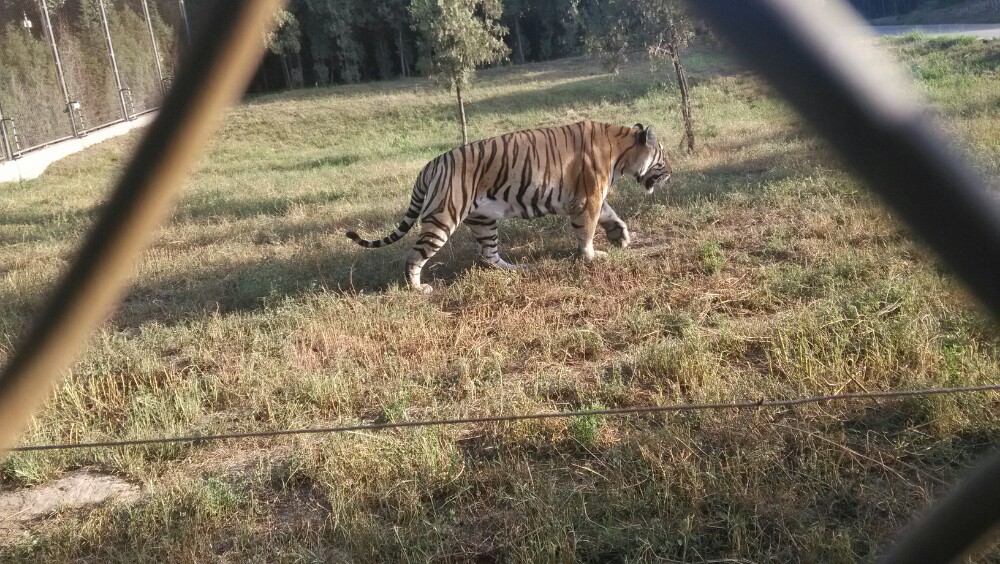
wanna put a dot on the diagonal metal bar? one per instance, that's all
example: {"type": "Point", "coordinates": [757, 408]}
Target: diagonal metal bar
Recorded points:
{"type": "Point", "coordinates": [5, 148]}
{"type": "Point", "coordinates": [213, 76]}
{"type": "Point", "coordinates": [864, 108]}
{"type": "Point", "coordinates": [957, 524]}
{"type": "Point", "coordinates": [867, 111]}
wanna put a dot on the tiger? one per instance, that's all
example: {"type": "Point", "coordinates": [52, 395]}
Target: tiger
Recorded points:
{"type": "Point", "coordinates": [566, 170]}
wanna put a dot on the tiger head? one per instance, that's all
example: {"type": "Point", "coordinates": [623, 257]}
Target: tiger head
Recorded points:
{"type": "Point", "coordinates": [650, 166]}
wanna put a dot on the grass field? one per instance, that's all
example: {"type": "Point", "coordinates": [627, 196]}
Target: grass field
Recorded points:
{"type": "Point", "coordinates": [764, 271]}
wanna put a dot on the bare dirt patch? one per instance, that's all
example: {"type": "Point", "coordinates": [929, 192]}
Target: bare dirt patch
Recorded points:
{"type": "Point", "coordinates": [74, 491]}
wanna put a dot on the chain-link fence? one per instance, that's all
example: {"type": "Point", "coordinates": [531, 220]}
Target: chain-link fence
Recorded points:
{"type": "Point", "coordinates": [71, 66]}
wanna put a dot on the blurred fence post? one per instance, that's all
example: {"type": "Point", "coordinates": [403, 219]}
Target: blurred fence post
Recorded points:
{"type": "Point", "coordinates": [184, 17]}
{"type": "Point", "coordinates": [8, 153]}
{"type": "Point", "coordinates": [156, 50]}
{"type": "Point", "coordinates": [114, 62]}
{"type": "Point", "coordinates": [59, 70]}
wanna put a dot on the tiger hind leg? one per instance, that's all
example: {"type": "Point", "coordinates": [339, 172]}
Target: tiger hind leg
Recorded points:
{"type": "Point", "coordinates": [434, 234]}
{"type": "Point", "coordinates": [484, 229]}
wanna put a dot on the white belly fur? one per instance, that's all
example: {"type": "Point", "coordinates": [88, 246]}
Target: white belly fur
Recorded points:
{"type": "Point", "coordinates": [496, 209]}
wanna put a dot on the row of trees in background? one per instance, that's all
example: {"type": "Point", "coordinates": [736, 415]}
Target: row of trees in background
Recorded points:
{"type": "Point", "coordinates": [30, 92]}
{"type": "Point", "coordinates": [355, 40]}
{"type": "Point", "coordinates": [882, 8]}
{"type": "Point", "coordinates": [318, 42]}
{"type": "Point", "coordinates": [349, 40]}
{"type": "Point", "coordinates": [360, 40]}
{"type": "Point", "coordinates": [352, 40]}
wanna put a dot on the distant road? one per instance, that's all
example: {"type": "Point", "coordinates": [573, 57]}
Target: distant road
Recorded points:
{"type": "Point", "coordinates": [982, 31]}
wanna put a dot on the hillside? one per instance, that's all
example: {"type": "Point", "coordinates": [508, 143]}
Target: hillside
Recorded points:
{"type": "Point", "coordinates": [763, 271]}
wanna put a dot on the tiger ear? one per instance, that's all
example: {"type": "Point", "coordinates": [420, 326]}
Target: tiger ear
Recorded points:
{"type": "Point", "coordinates": [650, 136]}
{"type": "Point", "coordinates": [640, 136]}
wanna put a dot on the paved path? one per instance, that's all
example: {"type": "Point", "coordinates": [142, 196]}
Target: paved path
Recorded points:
{"type": "Point", "coordinates": [982, 31]}
{"type": "Point", "coordinates": [33, 164]}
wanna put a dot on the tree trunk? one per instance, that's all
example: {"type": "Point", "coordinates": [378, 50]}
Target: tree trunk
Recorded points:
{"type": "Point", "coordinates": [302, 69]}
{"type": "Point", "coordinates": [402, 57]}
{"type": "Point", "coordinates": [288, 75]}
{"type": "Point", "coordinates": [682, 83]}
{"type": "Point", "coordinates": [520, 45]}
{"type": "Point", "coordinates": [461, 114]}
{"type": "Point", "coordinates": [383, 59]}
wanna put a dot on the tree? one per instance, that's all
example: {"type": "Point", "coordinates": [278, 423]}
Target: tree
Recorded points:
{"type": "Point", "coordinates": [546, 30]}
{"type": "Point", "coordinates": [661, 28]}
{"type": "Point", "coordinates": [333, 37]}
{"type": "Point", "coordinates": [456, 37]}
{"type": "Point", "coordinates": [515, 10]}
{"type": "Point", "coordinates": [283, 40]}
{"type": "Point", "coordinates": [394, 14]}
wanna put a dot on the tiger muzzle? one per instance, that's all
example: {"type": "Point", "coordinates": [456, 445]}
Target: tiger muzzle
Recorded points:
{"type": "Point", "coordinates": [655, 180]}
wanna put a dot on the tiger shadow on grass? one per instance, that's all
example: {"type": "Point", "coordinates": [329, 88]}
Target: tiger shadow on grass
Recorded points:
{"type": "Point", "coordinates": [267, 282]}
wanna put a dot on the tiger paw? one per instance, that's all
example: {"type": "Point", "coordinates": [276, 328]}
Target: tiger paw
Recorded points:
{"type": "Point", "coordinates": [595, 255]}
{"type": "Point", "coordinates": [424, 288]}
{"type": "Point", "coordinates": [619, 236]}
{"type": "Point", "coordinates": [504, 265]}
{"type": "Point", "coordinates": [621, 242]}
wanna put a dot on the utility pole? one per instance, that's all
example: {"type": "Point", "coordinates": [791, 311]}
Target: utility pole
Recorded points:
{"type": "Point", "coordinates": [114, 62]}
{"type": "Point", "coordinates": [59, 70]}
{"type": "Point", "coordinates": [152, 39]}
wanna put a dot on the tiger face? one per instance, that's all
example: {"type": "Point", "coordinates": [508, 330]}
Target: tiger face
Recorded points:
{"type": "Point", "coordinates": [652, 167]}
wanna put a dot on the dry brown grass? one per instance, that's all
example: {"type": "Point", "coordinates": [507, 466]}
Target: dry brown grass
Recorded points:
{"type": "Point", "coordinates": [765, 271]}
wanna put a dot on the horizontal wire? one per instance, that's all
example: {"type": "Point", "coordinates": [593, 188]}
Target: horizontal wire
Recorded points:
{"type": "Point", "coordinates": [503, 418]}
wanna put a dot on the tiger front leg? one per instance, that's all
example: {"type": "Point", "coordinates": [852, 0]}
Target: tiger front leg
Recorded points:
{"type": "Point", "coordinates": [616, 229]}
{"type": "Point", "coordinates": [584, 225]}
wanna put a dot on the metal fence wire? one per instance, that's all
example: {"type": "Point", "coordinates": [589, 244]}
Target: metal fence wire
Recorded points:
{"type": "Point", "coordinates": [801, 47]}
{"type": "Point", "coordinates": [639, 410]}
